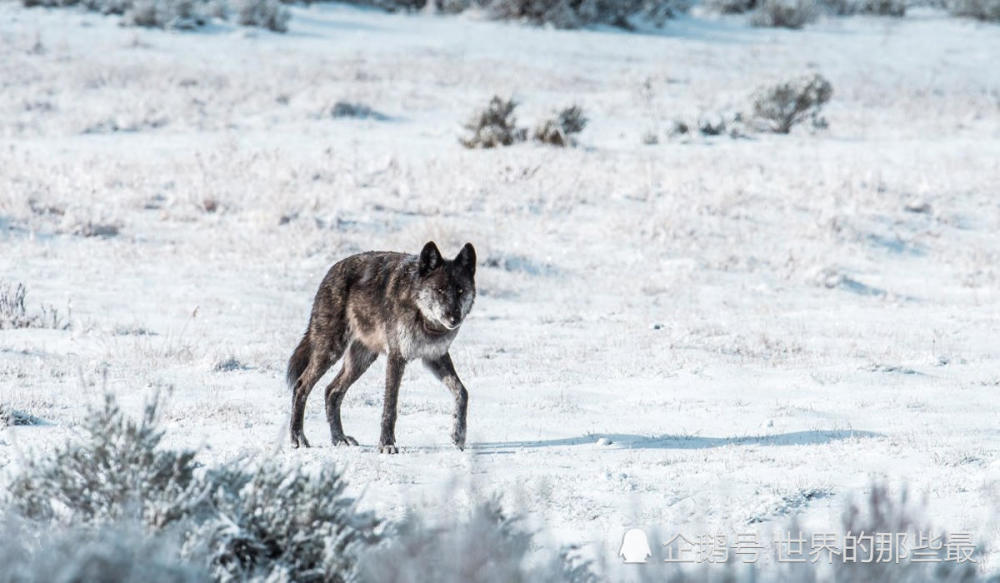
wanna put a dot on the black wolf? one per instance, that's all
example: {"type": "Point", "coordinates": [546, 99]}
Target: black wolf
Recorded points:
{"type": "Point", "coordinates": [403, 306]}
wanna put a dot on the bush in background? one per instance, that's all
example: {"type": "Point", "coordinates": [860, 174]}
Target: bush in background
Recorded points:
{"type": "Point", "coordinates": [557, 13]}
{"type": "Point", "coordinates": [559, 130]}
{"type": "Point", "coordinates": [493, 126]}
{"type": "Point", "coordinates": [14, 313]}
{"type": "Point", "coordinates": [792, 14]}
{"type": "Point", "coordinates": [9, 416]}
{"type": "Point", "coordinates": [269, 14]}
{"type": "Point", "coordinates": [777, 108]}
{"type": "Point", "coordinates": [895, 8]}
{"type": "Point", "coordinates": [730, 6]}
{"type": "Point", "coordinates": [175, 14]}
{"type": "Point", "coordinates": [987, 10]}
{"type": "Point", "coordinates": [577, 13]}
{"type": "Point", "coordinates": [357, 110]}
{"type": "Point", "coordinates": [183, 14]}
{"type": "Point", "coordinates": [805, 14]}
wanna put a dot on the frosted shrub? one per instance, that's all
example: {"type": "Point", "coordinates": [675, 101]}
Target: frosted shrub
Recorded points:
{"type": "Point", "coordinates": [184, 14]}
{"type": "Point", "coordinates": [9, 416]}
{"type": "Point", "coordinates": [730, 6]}
{"type": "Point", "coordinates": [558, 13]}
{"type": "Point", "coordinates": [559, 130]}
{"type": "Point", "coordinates": [177, 14]}
{"type": "Point", "coordinates": [269, 14]}
{"type": "Point", "coordinates": [120, 470]}
{"type": "Point", "coordinates": [357, 110]}
{"type": "Point", "coordinates": [784, 13]}
{"type": "Point", "coordinates": [493, 126]}
{"type": "Point", "coordinates": [881, 511]}
{"type": "Point", "coordinates": [484, 547]}
{"type": "Point", "coordinates": [281, 524]}
{"type": "Point", "coordinates": [577, 13]}
{"type": "Point", "coordinates": [988, 10]}
{"type": "Point", "coordinates": [777, 108]}
{"type": "Point", "coordinates": [14, 313]}
{"type": "Point", "coordinates": [873, 7]}
{"type": "Point", "coordinates": [263, 522]}
{"type": "Point", "coordinates": [32, 553]}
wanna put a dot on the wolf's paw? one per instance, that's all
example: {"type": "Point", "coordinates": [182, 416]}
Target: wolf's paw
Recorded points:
{"type": "Point", "coordinates": [458, 438]}
{"type": "Point", "coordinates": [299, 440]}
{"type": "Point", "coordinates": [344, 440]}
{"type": "Point", "coordinates": [388, 448]}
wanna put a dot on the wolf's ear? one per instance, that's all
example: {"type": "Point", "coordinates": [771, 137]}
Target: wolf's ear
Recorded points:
{"type": "Point", "coordinates": [430, 258]}
{"type": "Point", "coordinates": [466, 259]}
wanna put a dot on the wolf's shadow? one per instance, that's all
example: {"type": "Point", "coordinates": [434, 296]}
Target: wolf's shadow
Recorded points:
{"type": "Point", "coordinates": [667, 441]}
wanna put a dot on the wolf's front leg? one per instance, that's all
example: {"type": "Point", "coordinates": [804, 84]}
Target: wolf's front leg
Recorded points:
{"type": "Point", "coordinates": [444, 370]}
{"type": "Point", "coordinates": [393, 375]}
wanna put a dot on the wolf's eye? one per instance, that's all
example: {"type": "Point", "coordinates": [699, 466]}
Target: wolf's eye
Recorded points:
{"type": "Point", "coordinates": [460, 291]}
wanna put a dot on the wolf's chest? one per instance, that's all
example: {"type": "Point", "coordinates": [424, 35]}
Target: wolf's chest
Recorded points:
{"type": "Point", "coordinates": [413, 343]}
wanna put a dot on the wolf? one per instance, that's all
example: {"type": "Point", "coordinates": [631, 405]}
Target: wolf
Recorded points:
{"type": "Point", "coordinates": [401, 305]}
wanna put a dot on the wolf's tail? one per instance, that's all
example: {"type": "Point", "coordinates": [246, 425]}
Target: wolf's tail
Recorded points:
{"type": "Point", "coordinates": [299, 361]}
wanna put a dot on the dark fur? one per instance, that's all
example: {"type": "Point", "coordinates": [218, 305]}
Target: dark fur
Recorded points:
{"type": "Point", "coordinates": [403, 306]}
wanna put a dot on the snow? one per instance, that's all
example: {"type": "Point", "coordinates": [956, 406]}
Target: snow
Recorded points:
{"type": "Point", "coordinates": [678, 336]}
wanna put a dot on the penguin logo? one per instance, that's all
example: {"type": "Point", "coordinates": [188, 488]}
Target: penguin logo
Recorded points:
{"type": "Point", "coordinates": [635, 547]}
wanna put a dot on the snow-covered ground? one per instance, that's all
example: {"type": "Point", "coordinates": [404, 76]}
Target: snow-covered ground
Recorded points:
{"type": "Point", "coordinates": [758, 326]}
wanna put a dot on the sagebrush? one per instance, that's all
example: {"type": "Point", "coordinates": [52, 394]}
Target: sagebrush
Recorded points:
{"type": "Point", "coordinates": [986, 10]}
{"type": "Point", "coordinates": [874, 7]}
{"type": "Point", "coordinates": [795, 15]}
{"type": "Point", "coordinates": [784, 13]}
{"type": "Point", "coordinates": [778, 108]}
{"type": "Point", "coordinates": [578, 13]}
{"type": "Point", "coordinates": [561, 129]}
{"type": "Point", "coordinates": [485, 546]}
{"type": "Point", "coordinates": [493, 126]}
{"type": "Point", "coordinates": [240, 521]}
{"type": "Point", "coordinates": [14, 312]}
{"type": "Point", "coordinates": [183, 14]}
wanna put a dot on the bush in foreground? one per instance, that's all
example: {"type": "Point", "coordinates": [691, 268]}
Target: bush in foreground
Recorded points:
{"type": "Point", "coordinates": [485, 546]}
{"type": "Point", "coordinates": [238, 522]}
{"type": "Point", "coordinates": [32, 553]}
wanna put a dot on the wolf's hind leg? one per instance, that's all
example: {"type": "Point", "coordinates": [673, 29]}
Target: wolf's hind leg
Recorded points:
{"type": "Point", "coordinates": [319, 362]}
{"type": "Point", "coordinates": [444, 370]}
{"type": "Point", "coordinates": [357, 361]}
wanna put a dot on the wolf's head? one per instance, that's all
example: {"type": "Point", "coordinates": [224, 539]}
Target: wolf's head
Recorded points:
{"type": "Point", "coordinates": [446, 288]}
